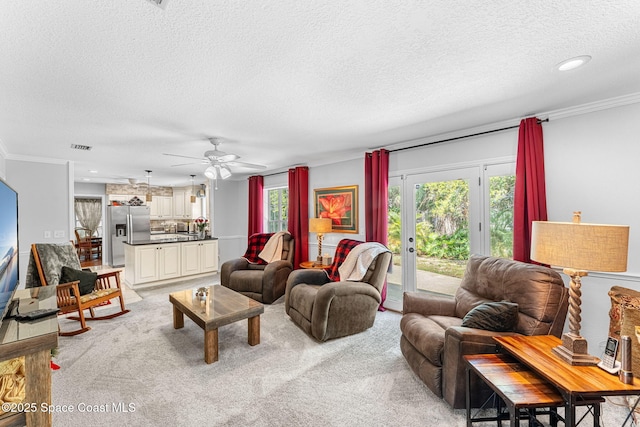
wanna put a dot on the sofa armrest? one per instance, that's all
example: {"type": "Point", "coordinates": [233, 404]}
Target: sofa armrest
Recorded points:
{"type": "Point", "coordinates": [230, 266]}
{"type": "Point", "coordinates": [274, 280]}
{"type": "Point", "coordinates": [306, 276]}
{"type": "Point", "coordinates": [428, 304]}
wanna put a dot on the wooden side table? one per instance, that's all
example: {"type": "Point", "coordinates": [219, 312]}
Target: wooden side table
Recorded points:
{"type": "Point", "coordinates": [576, 384]}
{"type": "Point", "coordinates": [312, 264]}
{"type": "Point", "coordinates": [34, 340]}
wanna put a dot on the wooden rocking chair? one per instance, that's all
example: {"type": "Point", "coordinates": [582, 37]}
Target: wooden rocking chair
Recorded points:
{"type": "Point", "coordinates": [68, 295]}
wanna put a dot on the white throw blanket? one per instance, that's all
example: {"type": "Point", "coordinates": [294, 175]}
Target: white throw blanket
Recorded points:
{"type": "Point", "coordinates": [272, 250]}
{"type": "Point", "coordinates": [359, 259]}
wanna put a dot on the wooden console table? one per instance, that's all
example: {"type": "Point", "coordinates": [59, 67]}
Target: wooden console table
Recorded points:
{"type": "Point", "coordinates": [34, 340]}
{"type": "Point", "coordinates": [576, 384]}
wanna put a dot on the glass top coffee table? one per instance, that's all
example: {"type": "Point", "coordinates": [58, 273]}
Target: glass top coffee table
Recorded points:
{"type": "Point", "coordinates": [216, 306]}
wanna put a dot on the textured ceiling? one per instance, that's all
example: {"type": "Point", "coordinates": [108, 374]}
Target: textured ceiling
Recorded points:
{"type": "Point", "coordinates": [290, 81]}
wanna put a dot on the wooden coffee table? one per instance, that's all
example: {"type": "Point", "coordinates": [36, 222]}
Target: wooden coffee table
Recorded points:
{"type": "Point", "coordinates": [221, 307]}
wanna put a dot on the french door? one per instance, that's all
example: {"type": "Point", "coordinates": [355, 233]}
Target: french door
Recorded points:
{"type": "Point", "coordinates": [434, 225]}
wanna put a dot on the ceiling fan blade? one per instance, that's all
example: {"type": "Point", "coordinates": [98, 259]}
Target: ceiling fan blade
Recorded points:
{"type": "Point", "coordinates": [246, 165]}
{"type": "Point", "coordinates": [180, 155]}
{"type": "Point", "coordinates": [228, 158]}
{"type": "Point", "coordinates": [186, 164]}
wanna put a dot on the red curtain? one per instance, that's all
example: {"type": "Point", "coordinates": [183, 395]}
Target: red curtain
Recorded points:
{"type": "Point", "coordinates": [298, 222]}
{"type": "Point", "coordinates": [530, 199]}
{"type": "Point", "coordinates": [376, 180]}
{"type": "Point", "coordinates": [256, 185]}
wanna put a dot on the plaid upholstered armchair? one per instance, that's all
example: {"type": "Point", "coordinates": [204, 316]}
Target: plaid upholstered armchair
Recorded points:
{"type": "Point", "coordinates": [262, 272]}
{"type": "Point", "coordinates": [345, 299]}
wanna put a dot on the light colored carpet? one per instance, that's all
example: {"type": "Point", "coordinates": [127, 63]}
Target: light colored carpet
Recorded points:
{"type": "Point", "coordinates": [287, 380]}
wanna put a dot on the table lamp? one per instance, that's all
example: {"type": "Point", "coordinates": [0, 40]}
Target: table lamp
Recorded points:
{"type": "Point", "coordinates": [579, 247]}
{"type": "Point", "coordinates": [320, 226]}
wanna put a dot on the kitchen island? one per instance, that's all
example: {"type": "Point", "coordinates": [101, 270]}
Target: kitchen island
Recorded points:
{"type": "Point", "coordinates": [161, 260]}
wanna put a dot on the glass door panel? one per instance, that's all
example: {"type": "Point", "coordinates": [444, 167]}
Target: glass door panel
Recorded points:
{"type": "Point", "coordinates": [442, 228]}
{"type": "Point", "coordinates": [394, 242]}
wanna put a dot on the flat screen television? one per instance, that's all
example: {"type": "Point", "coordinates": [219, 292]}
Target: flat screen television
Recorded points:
{"type": "Point", "coordinates": [9, 277]}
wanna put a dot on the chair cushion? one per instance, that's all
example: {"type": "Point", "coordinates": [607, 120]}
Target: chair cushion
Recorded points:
{"type": "Point", "coordinates": [498, 316]}
{"type": "Point", "coordinates": [87, 279]}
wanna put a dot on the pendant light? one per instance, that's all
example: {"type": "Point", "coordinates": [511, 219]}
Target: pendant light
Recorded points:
{"type": "Point", "coordinates": [193, 190]}
{"type": "Point", "coordinates": [149, 197]}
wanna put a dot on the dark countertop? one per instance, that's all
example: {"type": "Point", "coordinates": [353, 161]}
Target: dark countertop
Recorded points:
{"type": "Point", "coordinates": [189, 238]}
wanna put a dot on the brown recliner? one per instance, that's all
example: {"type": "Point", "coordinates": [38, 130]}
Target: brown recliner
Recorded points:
{"type": "Point", "coordinates": [262, 282]}
{"type": "Point", "coordinates": [328, 309]}
{"type": "Point", "coordinates": [433, 341]}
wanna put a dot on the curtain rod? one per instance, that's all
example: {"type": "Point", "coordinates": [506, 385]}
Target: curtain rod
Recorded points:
{"type": "Point", "coordinates": [462, 137]}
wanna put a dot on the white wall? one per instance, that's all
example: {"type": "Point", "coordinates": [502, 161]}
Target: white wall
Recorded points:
{"type": "Point", "coordinates": [230, 219]}
{"type": "Point", "coordinates": [591, 165]}
{"type": "Point", "coordinates": [44, 197]}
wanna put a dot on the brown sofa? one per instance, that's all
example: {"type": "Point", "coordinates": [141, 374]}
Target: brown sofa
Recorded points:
{"type": "Point", "coordinates": [433, 340]}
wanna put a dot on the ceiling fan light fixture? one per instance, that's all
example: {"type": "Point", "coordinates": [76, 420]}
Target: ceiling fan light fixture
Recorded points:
{"type": "Point", "coordinates": [211, 172]}
{"type": "Point", "coordinates": [225, 172]}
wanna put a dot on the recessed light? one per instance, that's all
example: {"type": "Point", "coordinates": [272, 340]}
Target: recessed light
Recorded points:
{"type": "Point", "coordinates": [93, 171]}
{"type": "Point", "coordinates": [86, 179]}
{"type": "Point", "coordinates": [573, 63]}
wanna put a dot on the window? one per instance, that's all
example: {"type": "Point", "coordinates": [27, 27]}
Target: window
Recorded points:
{"type": "Point", "coordinates": [499, 194]}
{"type": "Point", "coordinates": [277, 207]}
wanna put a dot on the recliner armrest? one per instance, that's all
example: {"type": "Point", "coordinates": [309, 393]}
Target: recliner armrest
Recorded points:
{"type": "Point", "coordinates": [307, 276]}
{"type": "Point", "coordinates": [428, 304]}
{"type": "Point", "coordinates": [274, 266]}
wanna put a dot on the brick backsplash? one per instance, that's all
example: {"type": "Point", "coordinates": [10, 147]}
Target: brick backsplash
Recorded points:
{"type": "Point", "coordinates": [138, 189]}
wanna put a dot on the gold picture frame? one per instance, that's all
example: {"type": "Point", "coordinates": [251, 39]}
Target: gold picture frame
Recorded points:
{"type": "Point", "coordinates": [340, 204]}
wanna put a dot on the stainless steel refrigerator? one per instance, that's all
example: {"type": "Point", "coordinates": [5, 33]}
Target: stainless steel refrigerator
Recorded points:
{"type": "Point", "coordinates": [125, 223]}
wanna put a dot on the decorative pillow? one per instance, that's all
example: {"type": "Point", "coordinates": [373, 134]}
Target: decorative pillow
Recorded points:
{"type": "Point", "coordinates": [87, 279]}
{"type": "Point", "coordinates": [498, 316]}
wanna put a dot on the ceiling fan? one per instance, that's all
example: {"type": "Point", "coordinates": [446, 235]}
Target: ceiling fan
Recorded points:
{"type": "Point", "coordinates": [219, 162]}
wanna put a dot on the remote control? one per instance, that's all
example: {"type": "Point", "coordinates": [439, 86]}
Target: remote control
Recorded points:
{"type": "Point", "coordinates": [37, 314]}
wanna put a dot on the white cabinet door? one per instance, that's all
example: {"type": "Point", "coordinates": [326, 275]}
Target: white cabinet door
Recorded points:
{"type": "Point", "coordinates": [168, 261]}
{"type": "Point", "coordinates": [179, 207]}
{"type": "Point", "coordinates": [199, 257]}
{"type": "Point", "coordinates": [190, 258]}
{"type": "Point", "coordinates": [146, 263]}
{"type": "Point", "coordinates": [209, 256]}
{"type": "Point", "coordinates": [166, 206]}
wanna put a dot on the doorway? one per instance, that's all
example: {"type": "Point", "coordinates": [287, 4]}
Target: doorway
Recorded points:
{"type": "Point", "coordinates": [434, 225]}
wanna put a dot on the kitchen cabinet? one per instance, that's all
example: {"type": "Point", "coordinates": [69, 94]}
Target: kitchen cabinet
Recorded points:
{"type": "Point", "coordinates": [199, 257]}
{"type": "Point", "coordinates": [152, 262]}
{"type": "Point", "coordinates": [148, 262]}
{"type": "Point", "coordinates": [161, 207]}
{"type": "Point", "coordinates": [182, 206]}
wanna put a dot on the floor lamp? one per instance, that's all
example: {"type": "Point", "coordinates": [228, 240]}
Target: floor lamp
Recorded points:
{"type": "Point", "coordinates": [320, 226]}
{"type": "Point", "coordinates": [579, 247]}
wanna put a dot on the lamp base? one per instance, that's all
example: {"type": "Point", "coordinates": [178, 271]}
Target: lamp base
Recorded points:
{"type": "Point", "coordinates": [574, 351]}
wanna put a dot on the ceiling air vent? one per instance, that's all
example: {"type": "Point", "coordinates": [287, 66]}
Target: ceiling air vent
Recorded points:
{"type": "Point", "coordinates": [162, 4]}
{"type": "Point", "coordinates": [81, 147]}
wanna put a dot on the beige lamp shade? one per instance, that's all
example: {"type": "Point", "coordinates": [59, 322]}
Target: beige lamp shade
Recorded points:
{"type": "Point", "coordinates": [581, 246]}
{"type": "Point", "coordinates": [320, 225]}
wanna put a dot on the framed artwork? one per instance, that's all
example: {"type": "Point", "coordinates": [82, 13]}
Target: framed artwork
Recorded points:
{"type": "Point", "coordinates": [340, 204]}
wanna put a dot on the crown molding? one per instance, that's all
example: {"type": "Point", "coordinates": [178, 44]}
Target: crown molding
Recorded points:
{"type": "Point", "coordinates": [35, 159]}
{"type": "Point", "coordinates": [591, 107]}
